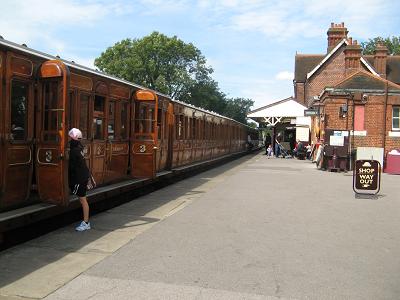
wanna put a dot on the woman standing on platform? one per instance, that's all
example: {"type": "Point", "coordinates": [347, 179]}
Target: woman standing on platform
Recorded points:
{"type": "Point", "coordinates": [78, 175]}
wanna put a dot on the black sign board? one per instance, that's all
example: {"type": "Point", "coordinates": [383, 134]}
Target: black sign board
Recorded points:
{"type": "Point", "coordinates": [310, 112]}
{"type": "Point", "coordinates": [367, 177]}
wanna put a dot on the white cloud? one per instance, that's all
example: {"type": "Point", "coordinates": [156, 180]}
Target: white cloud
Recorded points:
{"type": "Point", "coordinates": [37, 20]}
{"type": "Point", "coordinates": [285, 75]}
{"type": "Point", "coordinates": [163, 7]}
{"type": "Point", "coordinates": [261, 90]}
{"type": "Point", "coordinates": [285, 19]}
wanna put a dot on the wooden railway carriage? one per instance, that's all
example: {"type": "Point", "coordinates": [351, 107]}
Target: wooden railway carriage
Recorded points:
{"type": "Point", "coordinates": [128, 131]}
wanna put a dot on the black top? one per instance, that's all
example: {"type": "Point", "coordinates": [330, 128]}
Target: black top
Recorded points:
{"type": "Point", "coordinates": [267, 140]}
{"type": "Point", "coordinates": [78, 172]}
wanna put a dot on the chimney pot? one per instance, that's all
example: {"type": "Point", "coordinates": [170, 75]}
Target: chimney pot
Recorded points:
{"type": "Point", "coordinates": [336, 33]}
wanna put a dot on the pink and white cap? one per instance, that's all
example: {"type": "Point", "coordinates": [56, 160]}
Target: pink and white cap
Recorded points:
{"type": "Point", "coordinates": [75, 134]}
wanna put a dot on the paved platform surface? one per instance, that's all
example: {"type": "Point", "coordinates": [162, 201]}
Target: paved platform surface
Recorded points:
{"type": "Point", "coordinates": [255, 228]}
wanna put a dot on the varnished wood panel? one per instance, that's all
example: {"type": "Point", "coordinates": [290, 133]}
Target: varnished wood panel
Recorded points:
{"type": "Point", "coordinates": [142, 166]}
{"type": "Point", "coordinates": [2, 117]}
{"type": "Point", "coordinates": [117, 161]}
{"type": "Point", "coordinates": [143, 95]}
{"type": "Point", "coordinates": [98, 161]}
{"type": "Point", "coordinates": [101, 88]}
{"type": "Point", "coordinates": [50, 183]}
{"type": "Point", "coordinates": [119, 91]}
{"type": "Point", "coordinates": [51, 69]}
{"type": "Point", "coordinates": [18, 178]}
{"type": "Point", "coordinates": [19, 156]}
{"type": "Point", "coordinates": [81, 82]}
{"type": "Point", "coordinates": [48, 156]}
{"type": "Point", "coordinates": [21, 66]}
{"type": "Point", "coordinates": [120, 149]}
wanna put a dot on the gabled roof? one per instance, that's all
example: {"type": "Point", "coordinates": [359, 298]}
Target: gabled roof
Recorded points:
{"type": "Point", "coordinates": [365, 81]}
{"type": "Point", "coordinates": [284, 108]}
{"type": "Point", "coordinates": [392, 66]}
{"type": "Point", "coordinates": [333, 51]}
{"type": "Point", "coordinates": [304, 63]}
{"type": "Point", "coordinates": [307, 64]}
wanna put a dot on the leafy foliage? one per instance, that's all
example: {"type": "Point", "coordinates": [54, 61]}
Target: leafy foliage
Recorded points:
{"type": "Point", "coordinates": [172, 67]}
{"type": "Point", "coordinates": [206, 94]}
{"type": "Point", "coordinates": [237, 108]}
{"type": "Point", "coordinates": [165, 64]}
{"type": "Point", "coordinates": [393, 45]}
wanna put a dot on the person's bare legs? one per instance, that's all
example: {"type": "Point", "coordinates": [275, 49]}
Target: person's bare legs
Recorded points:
{"type": "Point", "coordinates": [85, 208]}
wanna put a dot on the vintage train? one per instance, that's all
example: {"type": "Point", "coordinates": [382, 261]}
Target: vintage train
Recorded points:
{"type": "Point", "coordinates": [128, 131]}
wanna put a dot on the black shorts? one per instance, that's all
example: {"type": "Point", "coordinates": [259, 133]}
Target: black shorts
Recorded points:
{"type": "Point", "coordinates": [79, 189]}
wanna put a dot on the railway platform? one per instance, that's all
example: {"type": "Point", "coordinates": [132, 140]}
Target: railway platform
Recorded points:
{"type": "Point", "coordinates": [253, 228]}
{"type": "Point", "coordinates": [36, 219]}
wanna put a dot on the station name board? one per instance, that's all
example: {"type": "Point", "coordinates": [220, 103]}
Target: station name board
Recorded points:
{"type": "Point", "coordinates": [310, 112]}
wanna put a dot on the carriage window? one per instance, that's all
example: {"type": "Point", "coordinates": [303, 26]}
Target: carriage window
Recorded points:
{"type": "Point", "coordinates": [124, 120]}
{"type": "Point", "coordinates": [144, 118]}
{"type": "Point", "coordinates": [179, 127]}
{"type": "Point", "coordinates": [99, 103]}
{"type": "Point", "coordinates": [111, 121]}
{"type": "Point", "coordinates": [19, 106]}
{"type": "Point", "coordinates": [71, 102]}
{"type": "Point", "coordinates": [52, 114]}
{"type": "Point", "coordinates": [194, 125]}
{"type": "Point", "coordinates": [187, 130]}
{"type": "Point", "coordinates": [98, 118]}
{"type": "Point", "coordinates": [84, 115]}
{"type": "Point", "coordinates": [159, 120]}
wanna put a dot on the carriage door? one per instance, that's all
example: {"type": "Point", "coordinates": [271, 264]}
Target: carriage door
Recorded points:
{"type": "Point", "coordinates": [116, 166]}
{"type": "Point", "coordinates": [170, 133]}
{"type": "Point", "coordinates": [51, 162]}
{"type": "Point", "coordinates": [143, 156]}
{"type": "Point", "coordinates": [98, 132]}
{"type": "Point", "coordinates": [2, 118]}
{"type": "Point", "coordinates": [18, 130]}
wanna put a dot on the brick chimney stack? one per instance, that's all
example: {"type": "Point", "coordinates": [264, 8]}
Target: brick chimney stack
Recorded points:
{"type": "Point", "coordinates": [352, 55]}
{"type": "Point", "coordinates": [336, 34]}
{"type": "Point", "coordinates": [380, 58]}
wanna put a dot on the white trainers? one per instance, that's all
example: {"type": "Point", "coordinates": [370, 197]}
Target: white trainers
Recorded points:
{"type": "Point", "coordinates": [83, 226]}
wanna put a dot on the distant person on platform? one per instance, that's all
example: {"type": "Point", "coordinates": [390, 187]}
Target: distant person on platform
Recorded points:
{"type": "Point", "coordinates": [78, 175]}
{"type": "Point", "coordinates": [278, 146]}
{"type": "Point", "coordinates": [267, 143]}
{"type": "Point", "coordinates": [300, 152]}
{"type": "Point", "coordinates": [270, 151]}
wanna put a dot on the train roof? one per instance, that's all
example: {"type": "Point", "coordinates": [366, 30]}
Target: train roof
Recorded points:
{"type": "Point", "coordinates": [26, 49]}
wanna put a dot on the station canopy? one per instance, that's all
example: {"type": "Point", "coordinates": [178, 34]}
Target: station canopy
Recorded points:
{"type": "Point", "coordinates": [278, 111]}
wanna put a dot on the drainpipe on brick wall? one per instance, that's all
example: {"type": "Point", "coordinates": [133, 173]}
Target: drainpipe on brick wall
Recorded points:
{"type": "Point", "coordinates": [384, 122]}
{"type": "Point", "coordinates": [352, 132]}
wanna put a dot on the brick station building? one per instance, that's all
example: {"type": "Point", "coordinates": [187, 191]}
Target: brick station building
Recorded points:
{"type": "Point", "coordinates": [351, 92]}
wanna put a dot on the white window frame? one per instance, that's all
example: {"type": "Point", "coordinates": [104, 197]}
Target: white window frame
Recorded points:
{"type": "Point", "coordinates": [393, 108]}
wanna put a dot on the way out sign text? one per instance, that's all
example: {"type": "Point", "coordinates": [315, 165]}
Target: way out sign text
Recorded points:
{"type": "Point", "coordinates": [367, 177]}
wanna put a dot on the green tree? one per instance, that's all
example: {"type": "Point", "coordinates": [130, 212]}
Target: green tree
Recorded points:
{"type": "Point", "coordinates": [238, 108]}
{"type": "Point", "coordinates": [206, 94]}
{"type": "Point", "coordinates": [392, 43]}
{"type": "Point", "coordinates": [156, 61]}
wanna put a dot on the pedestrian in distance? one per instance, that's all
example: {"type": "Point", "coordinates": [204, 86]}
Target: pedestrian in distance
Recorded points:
{"type": "Point", "coordinates": [267, 143]}
{"type": "Point", "coordinates": [270, 152]}
{"type": "Point", "coordinates": [78, 175]}
{"type": "Point", "coordinates": [278, 146]}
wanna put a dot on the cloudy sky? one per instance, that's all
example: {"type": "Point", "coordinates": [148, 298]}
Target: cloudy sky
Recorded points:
{"type": "Point", "coordinates": [250, 44]}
